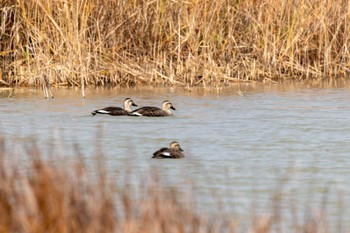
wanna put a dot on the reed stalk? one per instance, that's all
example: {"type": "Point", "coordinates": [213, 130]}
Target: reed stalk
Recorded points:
{"type": "Point", "coordinates": [186, 43]}
{"type": "Point", "coordinates": [50, 195]}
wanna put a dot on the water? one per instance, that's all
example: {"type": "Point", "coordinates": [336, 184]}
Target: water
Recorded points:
{"type": "Point", "coordinates": [241, 151]}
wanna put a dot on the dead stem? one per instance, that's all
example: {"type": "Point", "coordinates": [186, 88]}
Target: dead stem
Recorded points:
{"type": "Point", "coordinates": [184, 43]}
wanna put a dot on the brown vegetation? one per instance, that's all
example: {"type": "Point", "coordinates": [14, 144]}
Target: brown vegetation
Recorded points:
{"type": "Point", "coordinates": [42, 195]}
{"type": "Point", "coordinates": [137, 42]}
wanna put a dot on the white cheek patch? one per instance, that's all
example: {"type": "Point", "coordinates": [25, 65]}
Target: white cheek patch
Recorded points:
{"type": "Point", "coordinates": [166, 154]}
{"type": "Point", "coordinates": [102, 111]}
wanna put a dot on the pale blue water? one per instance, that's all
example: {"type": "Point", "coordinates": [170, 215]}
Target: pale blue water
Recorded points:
{"type": "Point", "coordinates": [240, 150]}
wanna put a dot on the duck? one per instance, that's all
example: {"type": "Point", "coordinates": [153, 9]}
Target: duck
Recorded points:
{"type": "Point", "coordinates": [117, 111]}
{"type": "Point", "coordinates": [173, 152]}
{"type": "Point", "coordinates": [155, 111]}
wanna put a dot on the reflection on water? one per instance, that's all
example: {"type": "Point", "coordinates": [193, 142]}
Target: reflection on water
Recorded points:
{"type": "Point", "coordinates": [239, 149]}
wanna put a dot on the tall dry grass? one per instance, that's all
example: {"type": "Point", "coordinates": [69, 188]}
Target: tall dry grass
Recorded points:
{"type": "Point", "coordinates": [49, 195]}
{"type": "Point", "coordinates": [46, 197]}
{"type": "Point", "coordinates": [138, 42]}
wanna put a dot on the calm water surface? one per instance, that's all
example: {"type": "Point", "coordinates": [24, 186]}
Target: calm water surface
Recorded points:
{"type": "Point", "coordinates": [240, 150]}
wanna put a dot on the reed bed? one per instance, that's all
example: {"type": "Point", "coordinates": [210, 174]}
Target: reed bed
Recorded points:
{"type": "Point", "coordinates": [182, 42]}
{"type": "Point", "coordinates": [42, 194]}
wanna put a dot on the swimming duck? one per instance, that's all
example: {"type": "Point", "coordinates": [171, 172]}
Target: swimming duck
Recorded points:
{"type": "Point", "coordinates": [154, 111]}
{"type": "Point", "coordinates": [117, 111]}
{"type": "Point", "coordinates": [173, 152]}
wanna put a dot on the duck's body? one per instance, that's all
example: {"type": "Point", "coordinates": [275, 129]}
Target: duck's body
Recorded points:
{"type": "Point", "coordinates": [114, 111]}
{"type": "Point", "coordinates": [173, 152]}
{"type": "Point", "coordinates": [154, 111]}
{"type": "Point", "coordinates": [117, 111]}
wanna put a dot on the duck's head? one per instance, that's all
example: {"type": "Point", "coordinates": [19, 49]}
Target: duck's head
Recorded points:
{"type": "Point", "coordinates": [128, 103]}
{"type": "Point", "coordinates": [175, 145]}
{"type": "Point", "coordinates": [166, 105]}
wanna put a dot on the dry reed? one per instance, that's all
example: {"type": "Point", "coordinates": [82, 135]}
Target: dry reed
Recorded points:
{"type": "Point", "coordinates": [137, 42]}
{"type": "Point", "coordinates": [43, 195]}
